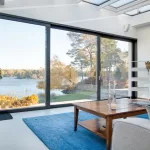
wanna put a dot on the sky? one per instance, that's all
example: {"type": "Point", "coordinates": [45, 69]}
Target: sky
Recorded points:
{"type": "Point", "coordinates": [22, 45]}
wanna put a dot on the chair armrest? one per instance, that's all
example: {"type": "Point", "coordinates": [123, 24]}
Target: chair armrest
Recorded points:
{"type": "Point", "coordinates": [131, 134]}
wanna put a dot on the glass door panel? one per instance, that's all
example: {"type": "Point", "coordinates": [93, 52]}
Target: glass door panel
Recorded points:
{"type": "Point", "coordinates": [22, 63]}
{"type": "Point", "coordinates": [72, 67]}
{"type": "Point", "coordinates": [115, 65]}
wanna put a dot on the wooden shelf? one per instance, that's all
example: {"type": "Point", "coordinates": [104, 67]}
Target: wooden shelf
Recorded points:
{"type": "Point", "coordinates": [94, 126]}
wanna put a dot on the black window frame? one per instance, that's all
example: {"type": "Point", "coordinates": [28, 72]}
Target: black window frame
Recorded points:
{"type": "Point", "coordinates": [122, 5]}
{"type": "Point", "coordinates": [51, 25]}
{"type": "Point", "coordinates": [94, 3]}
{"type": "Point", "coordinates": [137, 13]}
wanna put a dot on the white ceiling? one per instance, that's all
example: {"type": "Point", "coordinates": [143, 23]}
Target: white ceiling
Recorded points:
{"type": "Point", "coordinates": [56, 10]}
{"type": "Point", "coordinates": [28, 4]}
{"type": "Point", "coordinates": [118, 6]}
{"type": "Point", "coordinates": [71, 11]}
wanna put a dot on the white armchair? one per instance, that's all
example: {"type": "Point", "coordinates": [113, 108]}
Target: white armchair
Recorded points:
{"type": "Point", "coordinates": [131, 134]}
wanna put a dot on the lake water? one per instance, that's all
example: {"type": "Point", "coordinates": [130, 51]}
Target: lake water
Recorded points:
{"type": "Point", "coordinates": [22, 87]}
{"type": "Point", "coordinates": [18, 87]}
{"type": "Point", "coordinates": [25, 87]}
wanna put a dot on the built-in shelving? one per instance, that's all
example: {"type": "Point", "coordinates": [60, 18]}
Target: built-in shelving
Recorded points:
{"type": "Point", "coordinates": [141, 78]}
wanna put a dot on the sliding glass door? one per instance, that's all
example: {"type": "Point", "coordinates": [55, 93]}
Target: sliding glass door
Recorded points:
{"type": "Point", "coordinates": [74, 71]}
{"type": "Point", "coordinates": [22, 63]}
{"type": "Point", "coordinates": [115, 64]}
{"type": "Point", "coordinates": [43, 64]}
{"type": "Point", "coordinates": [72, 67]}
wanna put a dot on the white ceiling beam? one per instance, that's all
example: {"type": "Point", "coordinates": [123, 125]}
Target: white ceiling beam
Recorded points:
{"type": "Point", "coordinates": [2, 2]}
{"type": "Point", "coordinates": [111, 8]}
{"type": "Point", "coordinates": [107, 4]}
{"type": "Point", "coordinates": [28, 4]}
{"type": "Point", "coordinates": [103, 5]}
{"type": "Point", "coordinates": [32, 7]}
{"type": "Point", "coordinates": [128, 7]}
{"type": "Point", "coordinates": [135, 5]}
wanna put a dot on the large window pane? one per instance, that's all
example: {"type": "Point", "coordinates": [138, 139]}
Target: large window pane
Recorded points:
{"type": "Point", "coordinates": [73, 66]}
{"type": "Point", "coordinates": [22, 63]}
{"type": "Point", "coordinates": [114, 67]}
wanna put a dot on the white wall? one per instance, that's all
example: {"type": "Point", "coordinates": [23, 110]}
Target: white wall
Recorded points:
{"type": "Point", "coordinates": [56, 13]}
{"type": "Point", "coordinates": [113, 24]}
{"type": "Point", "coordinates": [141, 20]}
{"type": "Point", "coordinates": [143, 35]}
{"type": "Point", "coordinates": [85, 16]}
{"type": "Point", "coordinates": [82, 15]}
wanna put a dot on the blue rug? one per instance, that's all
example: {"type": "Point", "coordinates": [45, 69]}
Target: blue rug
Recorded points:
{"type": "Point", "coordinates": [56, 132]}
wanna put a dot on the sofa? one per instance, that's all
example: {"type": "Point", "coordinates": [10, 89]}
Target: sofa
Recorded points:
{"type": "Point", "coordinates": [131, 134]}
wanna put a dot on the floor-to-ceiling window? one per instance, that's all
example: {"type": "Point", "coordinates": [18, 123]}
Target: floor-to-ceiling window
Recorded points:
{"type": "Point", "coordinates": [72, 66]}
{"type": "Point", "coordinates": [115, 66]}
{"type": "Point", "coordinates": [43, 64]}
{"type": "Point", "coordinates": [22, 63]}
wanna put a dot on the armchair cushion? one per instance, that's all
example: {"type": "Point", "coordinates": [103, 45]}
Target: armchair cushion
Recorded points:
{"type": "Point", "coordinates": [131, 134]}
{"type": "Point", "coordinates": [148, 111]}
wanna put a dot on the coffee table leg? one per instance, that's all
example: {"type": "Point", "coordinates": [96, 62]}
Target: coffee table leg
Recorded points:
{"type": "Point", "coordinates": [76, 113]}
{"type": "Point", "coordinates": [108, 132]}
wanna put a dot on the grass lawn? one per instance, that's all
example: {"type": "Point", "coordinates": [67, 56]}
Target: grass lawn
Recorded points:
{"type": "Point", "coordinates": [72, 96]}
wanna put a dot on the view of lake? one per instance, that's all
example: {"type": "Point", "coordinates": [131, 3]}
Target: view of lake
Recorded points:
{"type": "Point", "coordinates": [22, 87]}
{"type": "Point", "coordinates": [18, 87]}
{"type": "Point", "coordinates": [25, 87]}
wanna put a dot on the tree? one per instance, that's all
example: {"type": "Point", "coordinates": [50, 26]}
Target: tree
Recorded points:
{"type": "Point", "coordinates": [41, 85]}
{"type": "Point", "coordinates": [110, 57]}
{"type": "Point", "coordinates": [24, 73]}
{"type": "Point", "coordinates": [117, 74]}
{"type": "Point", "coordinates": [87, 45]}
{"type": "Point", "coordinates": [80, 62]}
{"type": "Point", "coordinates": [61, 75]}
{"type": "Point", "coordinates": [124, 71]}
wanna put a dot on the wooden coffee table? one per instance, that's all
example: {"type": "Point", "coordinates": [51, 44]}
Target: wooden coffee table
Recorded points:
{"type": "Point", "coordinates": [101, 108]}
